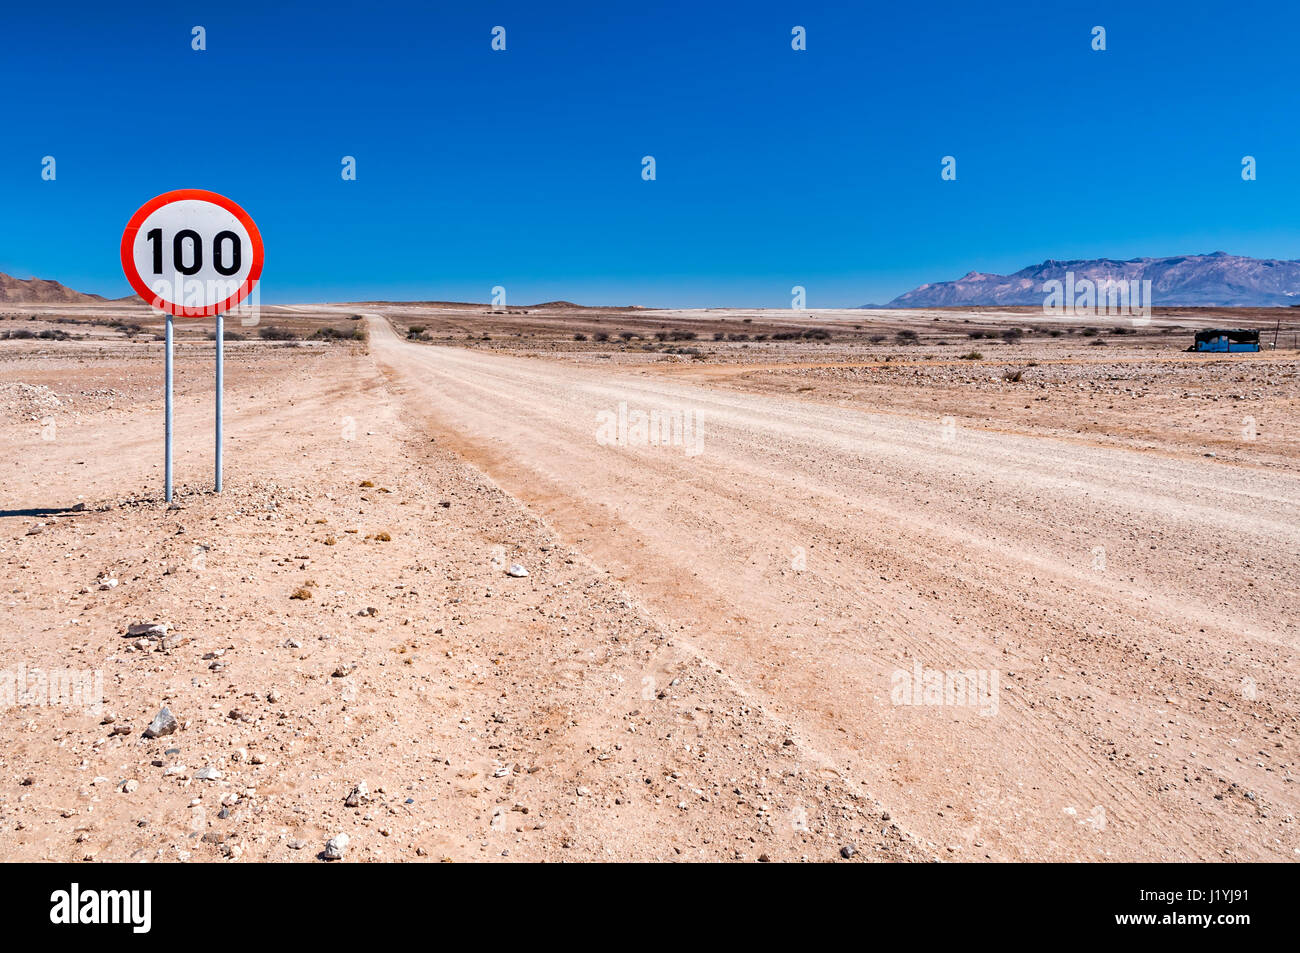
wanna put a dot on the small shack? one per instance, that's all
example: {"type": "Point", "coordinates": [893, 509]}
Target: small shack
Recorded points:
{"type": "Point", "coordinates": [1226, 340]}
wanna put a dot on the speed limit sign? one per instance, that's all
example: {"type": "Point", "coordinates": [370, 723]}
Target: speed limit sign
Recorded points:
{"type": "Point", "coordinates": [192, 254]}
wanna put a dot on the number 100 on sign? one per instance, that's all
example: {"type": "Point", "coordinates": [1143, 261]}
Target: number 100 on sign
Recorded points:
{"type": "Point", "coordinates": [192, 253]}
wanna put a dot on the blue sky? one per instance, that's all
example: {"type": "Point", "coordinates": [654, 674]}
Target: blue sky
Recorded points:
{"type": "Point", "coordinates": [820, 168]}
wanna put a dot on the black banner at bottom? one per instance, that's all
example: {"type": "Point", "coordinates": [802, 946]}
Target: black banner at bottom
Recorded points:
{"type": "Point", "coordinates": [1219, 903]}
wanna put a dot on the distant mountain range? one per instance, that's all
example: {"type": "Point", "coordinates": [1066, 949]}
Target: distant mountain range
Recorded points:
{"type": "Point", "coordinates": [1218, 280]}
{"type": "Point", "coordinates": [41, 291]}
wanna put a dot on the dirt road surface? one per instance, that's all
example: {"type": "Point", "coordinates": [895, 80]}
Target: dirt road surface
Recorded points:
{"type": "Point", "coordinates": [1136, 609]}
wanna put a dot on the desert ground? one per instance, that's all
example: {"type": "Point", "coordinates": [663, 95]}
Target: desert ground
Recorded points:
{"type": "Point", "coordinates": [703, 660]}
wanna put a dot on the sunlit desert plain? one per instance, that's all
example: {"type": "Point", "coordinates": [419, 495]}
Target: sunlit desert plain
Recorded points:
{"type": "Point", "coordinates": [560, 583]}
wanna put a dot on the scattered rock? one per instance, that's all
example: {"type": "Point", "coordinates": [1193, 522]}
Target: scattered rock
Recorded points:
{"type": "Point", "coordinates": [357, 795]}
{"type": "Point", "coordinates": [164, 723]}
{"type": "Point", "coordinates": [847, 851]}
{"type": "Point", "coordinates": [130, 787]}
{"type": "Point", "coordinates": [335, 847]}
{"type": "Point", "coordinates": [148, 630]}
{"type": "Point", "coordinates": [517, 571]}
{"type": "Point", "coordinates": [208, 774]}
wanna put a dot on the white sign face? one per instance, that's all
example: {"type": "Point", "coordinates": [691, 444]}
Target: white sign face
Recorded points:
{"type": "Point", "coordinates": [192, 253]}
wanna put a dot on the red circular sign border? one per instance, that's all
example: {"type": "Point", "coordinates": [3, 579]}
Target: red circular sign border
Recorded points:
{"type": "Point", "coordinates": [147, 293]}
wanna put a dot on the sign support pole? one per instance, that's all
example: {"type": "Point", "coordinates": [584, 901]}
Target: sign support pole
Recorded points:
{"type": "Point", "coordinates": [221, 379]}
{"type": "Point", "coordinates": [167, 375]}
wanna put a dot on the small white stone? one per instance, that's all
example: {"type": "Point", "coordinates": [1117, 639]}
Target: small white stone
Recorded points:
{"type": "Point", "coordinates": [335, 846]}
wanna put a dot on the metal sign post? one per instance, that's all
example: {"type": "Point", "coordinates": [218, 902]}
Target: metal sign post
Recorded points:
{"type": "Point", "coordinates": [220, 390]}
{"type": "Point", "coordinates": [167, 377]}
{"type": "Point", "coordinates": [192, 254]}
